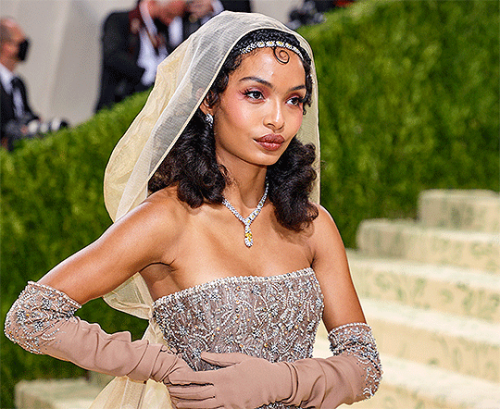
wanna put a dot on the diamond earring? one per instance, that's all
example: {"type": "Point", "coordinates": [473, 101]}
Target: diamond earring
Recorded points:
{"type": "Point", "coordinates": [209, 119]}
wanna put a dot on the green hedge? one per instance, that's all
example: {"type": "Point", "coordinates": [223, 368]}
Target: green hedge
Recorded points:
{"type": "Point", "coordinates": [52, 206]}
{"type": "Point", "coordinates": [408, 101]}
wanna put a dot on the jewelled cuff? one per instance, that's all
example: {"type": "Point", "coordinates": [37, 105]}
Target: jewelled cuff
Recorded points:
{"type": "Point", "coordinates": [32, 318]}
{"type": "Point", "coordinates": [357, 339]}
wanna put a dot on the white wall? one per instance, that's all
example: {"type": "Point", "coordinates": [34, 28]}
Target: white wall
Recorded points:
{"type": "Point", "coordinates": [63, 66]}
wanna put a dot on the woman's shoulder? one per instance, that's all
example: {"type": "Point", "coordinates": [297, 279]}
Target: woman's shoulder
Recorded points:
{"type": "Point", "coordinates": [164, 205]}
{"type": "Point", "coordinates": [324, 230]}
{"type": "Point", "coordinates": [324, 216]}
{"type": "Point", "coordinates": [162, 213]}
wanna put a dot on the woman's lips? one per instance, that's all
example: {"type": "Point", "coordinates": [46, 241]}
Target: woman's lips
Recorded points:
{"type": "Point", "coordinates": [271, 142]}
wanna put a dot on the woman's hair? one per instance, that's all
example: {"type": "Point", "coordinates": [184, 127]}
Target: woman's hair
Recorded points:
{"type": "Point", "coordinates": [192, 164]}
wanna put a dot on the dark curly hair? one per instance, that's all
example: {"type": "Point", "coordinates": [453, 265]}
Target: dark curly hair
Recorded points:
{"type": "Point", "coordinates": [192, 165]}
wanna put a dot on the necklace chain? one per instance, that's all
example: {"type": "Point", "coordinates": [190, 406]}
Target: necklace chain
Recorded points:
{"type": "Point", "coordinates": [248, 221]}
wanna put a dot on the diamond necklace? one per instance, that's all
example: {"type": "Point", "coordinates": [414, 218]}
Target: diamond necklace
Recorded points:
{"type": "Point", "coordinates": [248, 221]}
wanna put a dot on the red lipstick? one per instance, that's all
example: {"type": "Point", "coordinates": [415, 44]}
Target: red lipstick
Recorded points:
{"type": "Point", "coordinates": [271, 142]}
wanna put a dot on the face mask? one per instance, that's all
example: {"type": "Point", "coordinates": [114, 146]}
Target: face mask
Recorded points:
{"type": "Point", "coordinates": [23, 50]}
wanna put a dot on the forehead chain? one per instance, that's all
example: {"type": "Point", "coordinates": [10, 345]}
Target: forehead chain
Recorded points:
{"type": "Point", "coordinates": [271, 44]}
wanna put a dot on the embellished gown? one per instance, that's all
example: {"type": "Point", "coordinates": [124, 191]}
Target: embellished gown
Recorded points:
{"type": "Point", "coordinates": [275, 318]}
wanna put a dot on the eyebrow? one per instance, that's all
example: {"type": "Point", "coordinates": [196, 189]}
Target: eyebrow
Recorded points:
{"type": "Point", "coordinates": [268, 84]}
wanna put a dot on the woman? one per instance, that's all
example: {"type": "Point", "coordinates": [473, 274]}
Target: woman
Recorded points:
{"type": "Point", "coordinates": [209, 189]}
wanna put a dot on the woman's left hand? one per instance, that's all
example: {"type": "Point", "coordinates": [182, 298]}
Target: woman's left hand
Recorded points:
{"type": "Point", "coordinates": [242, 382]}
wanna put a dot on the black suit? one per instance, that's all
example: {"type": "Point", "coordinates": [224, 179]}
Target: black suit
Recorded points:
{"type": "Point", "coordinates": [120, 74]}
{"type": "Point", "coordinates": [8, 113]}
{"type": "Point", "coordinates": [237, 5]}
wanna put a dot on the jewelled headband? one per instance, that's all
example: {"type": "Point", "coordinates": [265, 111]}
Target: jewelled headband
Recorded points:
{"type": "Point", "coordinates": [272, 44]}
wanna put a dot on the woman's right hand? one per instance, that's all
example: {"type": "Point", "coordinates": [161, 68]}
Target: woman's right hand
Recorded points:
{"type": "Point", "coordinates": [179, 367]}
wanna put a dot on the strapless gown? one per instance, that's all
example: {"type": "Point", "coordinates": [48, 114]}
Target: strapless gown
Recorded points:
{"type": "Point", "coordinates": [275, 318]}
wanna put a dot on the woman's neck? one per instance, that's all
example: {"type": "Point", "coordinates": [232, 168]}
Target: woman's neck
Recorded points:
{"type": "Point", "coordinates": [246, 185]}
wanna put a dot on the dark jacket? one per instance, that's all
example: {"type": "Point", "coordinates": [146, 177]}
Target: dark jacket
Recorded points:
{"type": "Point", "coordinates": [120, 74]}
{"type": "Point", "coordinates": [7, 115]}
{"type": "Point", "coordinates": [237, 5]}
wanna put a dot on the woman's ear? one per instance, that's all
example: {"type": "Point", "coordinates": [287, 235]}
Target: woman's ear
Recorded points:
{"type": "Point", "coordinates": [205, 107]}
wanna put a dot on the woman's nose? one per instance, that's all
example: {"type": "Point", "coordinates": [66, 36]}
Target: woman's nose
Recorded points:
{"type": "Point", "coordinates": [274, 117]}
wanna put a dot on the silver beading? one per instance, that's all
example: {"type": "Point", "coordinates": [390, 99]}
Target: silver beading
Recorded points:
{"type": "Point", "coordinates": [357, 339]}
{"type": "Point", "coordinates": [271, 44]}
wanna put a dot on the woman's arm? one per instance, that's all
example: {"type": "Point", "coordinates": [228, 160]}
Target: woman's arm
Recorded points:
{"type": "Point", "coordinates": [42, 319]}
{"type": "Point", "coordinates": [332, 271]}
{"type": "Point", "coordinates": [145, 236]}
{"type": "Point", "coordinates": [354, 371]}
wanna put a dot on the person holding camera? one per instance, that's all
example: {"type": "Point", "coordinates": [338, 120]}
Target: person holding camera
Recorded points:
{"type": "Point", "coordinates": [135, 41]}
{"type": "Point", "coordinates": [15, 110]}
{"type": "Point", "coordinates": [17, 120]}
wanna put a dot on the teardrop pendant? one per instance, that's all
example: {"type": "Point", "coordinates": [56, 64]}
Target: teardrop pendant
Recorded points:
{"type": "Point", "coordinates": [249, 219]}
{"type": "Point", "coordinates": [248, 236]}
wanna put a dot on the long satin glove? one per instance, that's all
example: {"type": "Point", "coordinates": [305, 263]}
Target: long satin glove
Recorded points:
{"type": "Point", "coordinates": [352, 374]}
{"type": "Point", "coordinates": [42, 321]}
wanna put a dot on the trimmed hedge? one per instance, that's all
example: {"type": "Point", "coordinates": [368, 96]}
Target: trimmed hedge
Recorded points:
{"type": "Point", "coordinates": [409, 100]}
{"type": "Point", "coordinates": [52, 206]}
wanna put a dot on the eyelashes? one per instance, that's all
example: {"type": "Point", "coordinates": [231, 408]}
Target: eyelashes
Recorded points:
{"type": "Point", "coordinates": [258, 96]}
{"type": "Point", "coordinates": [297, 100]}
{"type": "Point", "coordinates": [253, 94]}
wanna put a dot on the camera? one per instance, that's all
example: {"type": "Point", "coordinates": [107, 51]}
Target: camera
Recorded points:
{"type": "Point", "coordinates": [29, 126]}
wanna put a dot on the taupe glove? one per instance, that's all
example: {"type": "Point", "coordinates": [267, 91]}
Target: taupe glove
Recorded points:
{"type": "Point", "coordinates": [42, 321]}
{"type": "Point", "coordinates": [247, 382]}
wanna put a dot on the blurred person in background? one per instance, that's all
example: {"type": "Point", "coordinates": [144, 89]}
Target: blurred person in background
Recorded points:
{"type": "Point", "coordinates": [134, 42]}
{"type": "Point", "coordinates": [237, 5]}
{"type": "Point", "coordinates": [17, 120]}
{"type": "Point", "coordinates": [311, 12]}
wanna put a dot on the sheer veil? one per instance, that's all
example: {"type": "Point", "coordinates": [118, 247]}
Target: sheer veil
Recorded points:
{"type": "Point", "coordinates": [182, 81]}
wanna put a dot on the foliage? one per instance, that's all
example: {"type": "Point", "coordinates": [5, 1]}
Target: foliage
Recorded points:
{"type": "Point", "coordinates": [408, 101]}
{"type": "Point", "coordinates": [52, 206]}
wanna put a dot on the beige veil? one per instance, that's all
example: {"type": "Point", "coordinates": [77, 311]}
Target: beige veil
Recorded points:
{"type": "Point", "coordinates": [182, 81]}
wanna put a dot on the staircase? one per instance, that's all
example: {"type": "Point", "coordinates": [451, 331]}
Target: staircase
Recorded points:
{"type": "Point", "coordinates": [431, 292]}
{"type": "Point", "coordinates": [60, 393]}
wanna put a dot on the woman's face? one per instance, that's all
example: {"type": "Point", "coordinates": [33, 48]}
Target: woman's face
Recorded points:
{"type": "Point", "coordinates": [261, 109]}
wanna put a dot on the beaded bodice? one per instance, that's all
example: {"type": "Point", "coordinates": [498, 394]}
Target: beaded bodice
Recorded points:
{"type": "Point", "coordinates": [274, 318]}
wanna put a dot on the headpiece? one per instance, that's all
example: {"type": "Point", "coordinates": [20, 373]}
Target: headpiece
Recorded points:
{"type": "Point", "coordinates": [182, 82]}
{"type": "Point", "coordinates": [272, 44]}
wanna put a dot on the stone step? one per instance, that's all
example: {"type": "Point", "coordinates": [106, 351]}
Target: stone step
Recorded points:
{"type": "Point", "coordinates": [463, 345]}
{"type": "Point", "coordinates": [472, 210]}
{"type": "Point", "coordinates": [55, 394]}
{"type": "Point", "coordinates": [456, 290]}
{"type": "Point", "coordinates": [410, 241]}
{"type": "Point", "coordinates": [410, 385]}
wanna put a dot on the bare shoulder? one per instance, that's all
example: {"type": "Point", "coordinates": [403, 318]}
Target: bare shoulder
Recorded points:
{"type": "Point", "coordinates": [162, 213]}
{"type": "Point", "coordinates": [165, 204]}
{"type": "Point", "coordinates": [324, 223]}
{"type": "Point", "coordinates": [325, 238]}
